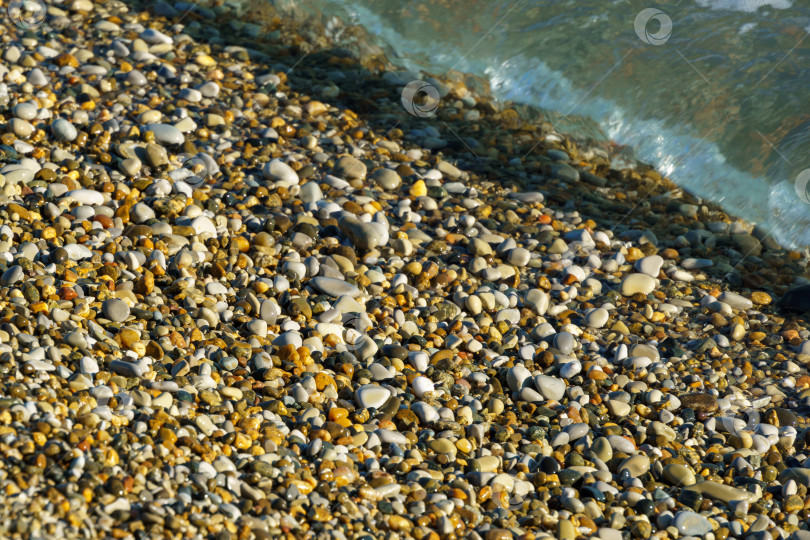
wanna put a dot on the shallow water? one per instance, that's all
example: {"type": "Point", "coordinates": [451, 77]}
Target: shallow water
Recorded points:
{"type": "Point", "coordinates": [712, 92]}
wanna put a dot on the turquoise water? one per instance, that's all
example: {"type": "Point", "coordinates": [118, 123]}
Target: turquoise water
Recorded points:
{"type": "Point", "coordinates": [712, 92]}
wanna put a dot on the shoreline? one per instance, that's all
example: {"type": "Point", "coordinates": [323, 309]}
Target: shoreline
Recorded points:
{"type": "Point", "coordinates": [505, 119]}
{"type": "Point", "coordinates": [243, 301]}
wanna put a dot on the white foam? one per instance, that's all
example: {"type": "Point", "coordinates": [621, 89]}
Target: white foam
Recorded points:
{"type": "Point", "coordinates": [747, 6]}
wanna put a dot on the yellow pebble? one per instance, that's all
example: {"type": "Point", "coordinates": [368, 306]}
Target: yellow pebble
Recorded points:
{"type": "Point", "coordinates": [242, 441]}
{"type": "Point", "coordinates": [418, 189]}
{"type": "Point", "coordinates": [205, 60]}
{"type": "Point", "coordinates": [761, 298]}
{"type": "Point", "coordinates": [464, 445]}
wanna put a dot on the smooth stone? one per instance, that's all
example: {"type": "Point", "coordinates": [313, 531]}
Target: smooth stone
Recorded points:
{"type": "Point", "coordinates": [596, 318]}
{"type": "Point", "coordinates": [17, 174]}
{"type": "Point", "coordinates": [516, 377]}
{"type": "Point", "coordinates": [602, 449]}
{"type": "Point", "coordinates": [25, 111]}
{"type": "Point", "coordinates": [650, 265]}
{"type": "Point", "coordinates": [479, 248]}
{"type": "Point", "coordinates": [203, 225]}
{"type": "Point", "coordinates": [619, 409]}
{"type": "Point", "coordinates": [606, 533]}
{"type": "Point", "coordinates": [12, 275]}
{"type": "Point", "coordinates": [800, 475]}
{"type": "Point", "coordinates": [551, 388]}
{"type": "Point", "coordinates": [257, 327]}
{"type": "Point", "coordinates": [372, 396]}
{"type": "Point", "coordinates": [363, 235]}
{"type": "Point", "coordinates": [519, 256]}
{"type": "Point", "coordinates": [209, 89]}
{"type": "Point", "coordinates": [141, 398]}
{"type": "Point", "coordinates": [537, 300]}
{"type": "Point", "coordinates": [156, 155]}
{"type": "Point", "coordinates": [425, 412]}
{"type": "Point", "coordinates": [387, 179]}
{"type": "Point", "coordinates": [473, 304]}
{"type": "Point", "coordinates": [154, 37]}
{"type": "Point", "coordinates": [77, 252]}
{"type": "Point", "coordinates": [621, 444]}
{"type": "Point", "coordinates": [722, 492]}
{"type": "Point", "coordinates": [311, 192]}
{"type": "Point", "coordinates": [21, 128]}
{"type": "Point", "coordinates": [577, 430]}
{"type": "Point", "coordinates": [141, 213]}
{"type": "Point", "coordinates": [659, 429]}
{"type": "Point", "coordinates": [335, 287]}
{"type": "Point", "coordinates": [678, 475]}
{"type": "Point", "coordinates": [442, 446]}
{"type": "Point", "coordinates": [529, 395]}
{"type": "Point", "coordinates": [527, 196]}
{"type": "Point", "coordinates": [166, 134]}
{"type": "Point", "coordinates": [421, 385]}
{"type": "Point", "coordinates": [486, 464]}
{"type": "Point", "coordinates": [566, 530]}
{"type": "Point", "coordinates": [696, 264]}
{"type": "Point", "coordinates": [289, 338]}
{"type": "Point", "coordinates": [646, 351]}
{"type": "Point", "coordinates": [388, 436]}
{"type": "Point", "coordinates": [127, 369]}
{"type": "Point", "coordinates": [64, 130]}
{"type": "Point", "coordinates": [448, 169]}
{"type": "Point", "coordinates": [637, 283]}
{"type": "Point", "coordinates": [736, 301]}
{"type": "Point", "coordinates": [190, 94]}
{"type": "Point", "coordinates": [638, 465]}
{"type": "Point", "coordinates": [130, 166]}
{"type": "Point", "coordinates": [86, 196]}
{"type": "Point", "coordinates": [281, 173]}
{"type": "Point", "coordinates": [691, 524]}
{"type": "Point", "coordinates": [116, 310]}
{"type": "Point", "coordinates": [350, 168]}
{"type": "Point", "coordinates": [564, 342]}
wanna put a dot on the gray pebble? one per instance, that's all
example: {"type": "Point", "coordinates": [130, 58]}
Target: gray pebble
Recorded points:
{"type": "Point", "coordinates": [115, 309]}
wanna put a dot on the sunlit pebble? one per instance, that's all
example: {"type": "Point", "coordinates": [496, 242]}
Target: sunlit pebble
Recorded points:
{"type": "Point", "coordinates": [421, 385]}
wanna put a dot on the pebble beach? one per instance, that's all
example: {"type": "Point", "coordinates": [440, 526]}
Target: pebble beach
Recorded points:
{"type": "Point", "coordinates": [246, 294]}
